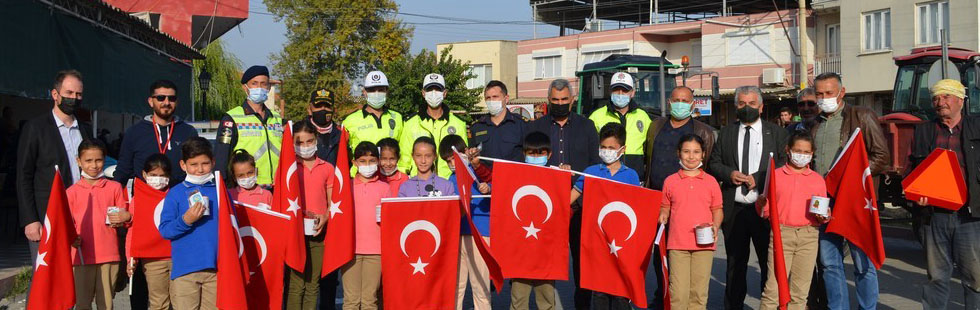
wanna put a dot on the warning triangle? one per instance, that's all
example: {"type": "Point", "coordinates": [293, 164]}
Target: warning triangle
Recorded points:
{"type": "Point", "coordinates": [939, 179]}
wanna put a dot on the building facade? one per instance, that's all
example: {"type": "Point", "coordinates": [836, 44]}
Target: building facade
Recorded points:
{"type": "Point", "coordinates": [488, 60]}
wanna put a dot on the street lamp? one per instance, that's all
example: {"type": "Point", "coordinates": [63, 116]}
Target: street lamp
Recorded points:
{"type": "Point", "coordinates": [205, 79]}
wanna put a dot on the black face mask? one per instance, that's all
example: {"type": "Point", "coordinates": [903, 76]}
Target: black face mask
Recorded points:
{"type": "Point", "coordinates": [747, 114]}
{"type": "Point", "coordinates": [322, 118]}
{"type": "Point", "coordinates": [559, 110]}
{"type": "Point", "coordinates": [69, 105]}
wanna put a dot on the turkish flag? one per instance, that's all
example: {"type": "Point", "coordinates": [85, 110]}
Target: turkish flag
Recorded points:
{"type": "Point", "coordinates": [232, 265]}
{"type": "Point", "coordinates": [855, 214]}
{"type": "Point", "coordinates": [146, 206]}
{"type": "Point", "coordinates": [265, 254]}
{"type": "Point", "coordinates": [53, 283]}
{"type": "Point", "coordinates": [420, 252]}
{"type": "Point", "coordinates": [338, 243]}
{"type": "Point", "coordinates": [286, 199]}
{"type": "Point", "coordinates": [661, 242]}
{"type": "Point", "coordinates": [529, 215]}
{"type": "Point", "coordinates": [779, 261]}
{"type": "Point", "coordinates": [464, 184]}
{"type": "Point", "coordinates": [618, 227]}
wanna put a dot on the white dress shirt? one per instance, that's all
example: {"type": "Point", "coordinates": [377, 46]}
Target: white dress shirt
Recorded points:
{"type": "Point", "coordinates": [71, 136]}
{"type": "Point", "coordinates": [755, 155]}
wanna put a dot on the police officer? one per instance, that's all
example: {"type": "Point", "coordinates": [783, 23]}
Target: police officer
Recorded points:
{"type": "Point", "coordinates": [622, 109]}
{"type": "Point", "coordinates": [320, 113]}
{"type": "Point", "coordinates": [500, 134]}
{"type": "Point", "coordinates": [375, 121]}
{"type": "Point", "coordinates": [433, 120]}
{"type": "Point", "coordinates": [251, 127]}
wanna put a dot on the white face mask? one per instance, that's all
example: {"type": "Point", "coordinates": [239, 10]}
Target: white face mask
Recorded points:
{"type": "Point", "coordinates": [800, 160]}
{"type": "Point", "coordinates": [434, 98]}
{"type": "Point", "coordinates": [389, 173]}
{"type": "Point", "coordinates": [376, 99]}
{"type": "Point", "coordinates": [609, 156]}
{"type": "Point", "coordinates": [495, 107]}
{"type": "Point", "coordinates": [701, 163]}
{"type": "Point", "coordinates": [306, 152]}
{"type": "Point", "coordinates": [199, 179]}
{"type": "Point", "coordinates": [158, 183]}
{"type": "Point", "coordinates": [367, 171]}
{"type": "Point", "coordinates": [93, 177]}
{"type": "Point", "coordinates": [248, 183]}
{"type": "Point", "coordinates": [828, 105]}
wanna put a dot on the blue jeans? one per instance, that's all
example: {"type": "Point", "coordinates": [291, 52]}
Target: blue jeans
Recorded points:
{"type": "Point", "coordinates": [832, 259]}
{"type": "Point", "coordinates": [951, 238]}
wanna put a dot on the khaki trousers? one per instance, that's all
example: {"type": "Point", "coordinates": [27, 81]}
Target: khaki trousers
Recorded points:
{"type": "Point", "coordinates": [472, 270]}
{"type": "Point", "coordinates": [800, 251]}
{"type": "Point", "coordinates": [304, 287]}
{"type": "Point", "coordinates": [690, 272]}
{"type": "Point", "coordinates": [520, 294]}
{"type": "Point", "coordinates": [157, 273]}
{"type": "Point", "coordinates": [196, 290]}
{"type": "Point", "coordinates": [95, 281]}
{"type": "Point", "coordinates": [361, 279]}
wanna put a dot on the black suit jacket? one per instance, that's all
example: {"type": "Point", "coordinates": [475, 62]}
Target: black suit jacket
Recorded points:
{"type": "Point", "coordinates": [39, 150]}
{"type": "Point", "coordinates": [725, 159]}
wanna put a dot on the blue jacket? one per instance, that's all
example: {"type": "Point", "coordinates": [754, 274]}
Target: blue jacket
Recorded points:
{"type": "Point", "coordinates": [195, 247]}
{"type": "Point", "coordinates": [480, 208]}
{"type": "Point", "coordinates": [140, 141]}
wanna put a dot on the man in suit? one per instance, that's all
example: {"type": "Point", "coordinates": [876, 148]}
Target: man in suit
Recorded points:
{"type": "Point", "coordinates": [49, 140]}
{"type": "Point", "coordinates": [739, 160]}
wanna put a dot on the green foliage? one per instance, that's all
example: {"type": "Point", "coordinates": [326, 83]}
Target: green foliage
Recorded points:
{"type": "Point", "coordinates": [405, 79]}
{"type": "Point", "coordinates": [225, 91]}
{"type": "Point", "coordinates": [331, 43]}
{"type": "Point", "coordinates": [21, 282]}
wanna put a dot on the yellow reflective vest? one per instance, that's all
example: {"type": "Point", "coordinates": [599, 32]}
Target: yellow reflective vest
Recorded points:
{"type": "Point", "coordinates": [262, 140]}
{"type": "Point", "coordinates": [437, 129]}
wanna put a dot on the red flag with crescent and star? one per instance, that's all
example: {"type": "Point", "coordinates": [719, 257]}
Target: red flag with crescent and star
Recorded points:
{"type": "Point", "coordinates": [779, 259]}
{"type": "Point", "coordinates": [420, 252]}
{"type": "Point", "coordinates": [464, 184]}
{"type": "Point", "coordinates": [53, 283]}
{"type": "Point", "coordinates": [529, 216]}
{"type": "Point", "coordinates": [232, 275]}
{"type": "Point", "coordinates": [855, 207]}
{"type": "Point", "coordinates": [265, 252]}
{"type": "Point", "coordinates": [286, 199]}
{"type": "Point", "coordinates": [338, 244]}
{"type": "Point", "coordinates": [618, 227]}
{"type": "Point", "coordinates": [146, 239]}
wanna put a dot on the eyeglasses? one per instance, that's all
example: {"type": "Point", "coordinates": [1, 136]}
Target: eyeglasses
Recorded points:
{"type": "Point", "coordinates": [160, 98]}
{"type": "Point", "coordinates": [807, 103]}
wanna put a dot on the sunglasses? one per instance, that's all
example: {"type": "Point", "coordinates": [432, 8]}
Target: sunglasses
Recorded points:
{"type": "Point", "coordinates": [162, 97]}
{"type": "Point", "coordinates": [807, 103]}
{"type": "Point", "coordinates": [321, 105]}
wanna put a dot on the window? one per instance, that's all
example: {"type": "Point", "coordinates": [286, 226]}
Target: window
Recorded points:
{"type": "Point", "coordinates": [482, 75]}
{"type": "Point", "coordinates": [597, 56]}
{"type": "Point", "coordinates": [833, 39]}
{"type": "Point", "coordinates": [932, 17]}
{"type": "Point", "coordinates": [547, 67]}
{"type": "Point", "coordinates": [877, 30]}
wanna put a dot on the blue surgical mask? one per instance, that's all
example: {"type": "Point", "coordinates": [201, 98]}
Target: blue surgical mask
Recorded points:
{"type": "Point", "coordinates": [620, 100]}
{"type": "Point", "coordinates": [536, 160]}
{"type": "Point", "coordinates": [680, 110]}
{"type": "Point", "coordinates": [258, 94]}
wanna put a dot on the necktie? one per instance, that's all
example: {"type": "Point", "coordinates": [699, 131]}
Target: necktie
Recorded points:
{"type": "Point", "coordinates": [746, 144]}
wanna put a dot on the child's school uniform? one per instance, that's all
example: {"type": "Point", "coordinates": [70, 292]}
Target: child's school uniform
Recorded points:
{"type": "Point", "coordinates": [193, 248]}
{"type": "Point", "coordinates": [362, 276]}
{"type": "Point", "coordinates": [395, 181]}
{"type": "Point", "coordinates": [97, 261]}
{"type": "Point", "coordinates": [304, 287]}
{"type": "Point", "coordinates": [257, 196]}
{"type": "Point", "coordinates": [691, 200]}
{"type": "Point", "coordinates": [434, 186]}
{"type": "Point", "coordinates": [156, 270]}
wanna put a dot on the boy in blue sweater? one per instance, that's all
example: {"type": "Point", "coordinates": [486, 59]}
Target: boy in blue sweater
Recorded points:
{"type": "Point", "coordinates": [187, 221]}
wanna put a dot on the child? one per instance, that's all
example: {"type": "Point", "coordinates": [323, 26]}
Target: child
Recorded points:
{"type": "Point", "coordinates": [389, 164]}
{"type": "Point", "coordinates": [155, 270]}
{"type": "Point", "coordinates": [426, 183]}
{"type": "Point", "coordinates": [247, 192]}
{"type": "Point", "coordinates": [362, 276]}
{"type": "Point", "coordinates": [472, 268]}
{"type": "Point", "coordinates": [795, 185]}
{"type": "Point", "coordinates": [537, 151]}
{"type": "Point", "coordinates": [98, 207]}
{"type": "Point", "coordinates": [612, 139]}
{"type": "Point", "coordinates": [188, 220]}
{"type": "Point", "coordinates": [316, 182]}
{"type": "Point", "coordinates": [691, 198]}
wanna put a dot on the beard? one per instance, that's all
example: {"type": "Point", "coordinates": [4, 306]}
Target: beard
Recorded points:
{"type": "Point", "coordinates": [164, 112]}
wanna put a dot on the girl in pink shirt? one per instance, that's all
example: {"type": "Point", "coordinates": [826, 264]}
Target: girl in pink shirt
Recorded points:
{"type": "Point", "coordinates": [691, 198]}
{"type": "Point", "coordinates": [315, 180]}
{"type": "Point", "coordinates": [362, 276]}
{"type": "Point", "coordinates": [155, 268]}
{"type": "Point", "coordinates": [388, 163]}
{"type": "Point", "coordinates": [98, 207]}
{"type": "Point", "coordinates": [795, 185]}
{"type": "Point", "coordinates": [247, 192]}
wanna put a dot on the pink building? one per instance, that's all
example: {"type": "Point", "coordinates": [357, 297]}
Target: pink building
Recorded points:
{"type": "Point", "coordinates": [194, 22]}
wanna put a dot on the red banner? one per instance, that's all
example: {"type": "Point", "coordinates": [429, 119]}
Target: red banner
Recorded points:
{"type": "Point", "coordinates": [855, 214]}
{"type": "Point", "coordinates": [286, 199]}
{"type": "Point", "coordinates": [338, 244]}
{"type": "Point", "coordinates": [265, 253]}
{"type": "Point", "coordinates": [464, 184]}
{"type": "Point", "coordinates": [146, 207]}
{"type": "Point", "coordinates": [232, 266]}
{"type": "Point", "coordinates": [53, 283]}
{"type": "Point", "coordinates": [778, 260]}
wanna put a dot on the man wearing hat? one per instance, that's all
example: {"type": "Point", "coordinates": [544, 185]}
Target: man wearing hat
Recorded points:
{"type": "Point", "coordinates": [622, 109]}
{"type": "Point", "coordinates": [375, 121]}
{"type": "Point", "coordinates": [320, 113]}
{"type": "Point", "coordinates": [433, 120]}
{"type": "Point", "coordinates": [950, 236]}
{"type": "Point", "coordinates": [251, 127]}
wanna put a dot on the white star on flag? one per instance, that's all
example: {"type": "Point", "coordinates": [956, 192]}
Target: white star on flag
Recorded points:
{"type": "Point", "coordinates": [293, 206]}
{"type": "Point", "coordinates": [614, 249]}
{"type": "Point", "coordinates": [40, 261]}
{"type": "Point", "coordinates": [335, 209]}
{"type": "Point", "coordinates": [531, 231]}
{"type": "Point", "coordinates": [419, 266]}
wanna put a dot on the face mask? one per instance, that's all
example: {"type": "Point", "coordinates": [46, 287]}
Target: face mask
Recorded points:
{"type": "Point", "coordinates": [376, 99]}
{"type": "Point", "coordinates": [69, 105]}
{"type": "Point", "coordinates": [495, 107]}
{"type": "Point", "coordinates": [827, 105]}
{"type": "Point", "coordinates": [620, 100]}
{"type": "Point", "coordinates": [609, 156]}
{"type": "Point", "coordinates": [680, 110]}
{"type": "Point", "coordinates": [199, 179]}
{"type": "Point", "coordinates": [258, 94]}
{"type": "Point", "coordinates": [388, 173]}
{"type": "Point", "coordinates": [248, 183]}
{"type": "Point", "coordinates": [800, 160]}
{"type": "Point", "coordinates": [536, 160]}
{"type": "Point", "coordinates": [747, 114]}
{"type": "Point", "coordinates": [558, 110]}
{"type": "Point", "coordinates": [433, 98]}
{"type": "Point", "coordinates": [689, 169]}
{"type": "Point", "coordinates": [321, 118]}
{"type": "Point", "coordinates": [367, 171]}
{"type": "Point", "coordinates": [306, 151]}
{"type": "Point", "coordinates": [158, 183]}
{"type": "Point", "coordinates": [93, 177]}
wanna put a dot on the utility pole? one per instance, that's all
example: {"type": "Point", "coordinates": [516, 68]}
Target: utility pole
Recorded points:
{"type": "Point", "coordinates": [534, 19]}
{"type": "Point", "coordinates": [804, 63]}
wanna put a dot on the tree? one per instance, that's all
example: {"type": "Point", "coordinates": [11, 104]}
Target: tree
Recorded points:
{"type": "Point", "coordinates": [405, 79]}
{"type": "Point", "coordinates": [333, 42]}
{"type": "Point", "coordinates": [225, 90]}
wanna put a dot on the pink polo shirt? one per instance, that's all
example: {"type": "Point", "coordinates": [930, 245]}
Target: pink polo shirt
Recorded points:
{"type": "Point", "coordinates": [88, 204]}
{"type": "Point", "coordinates": [315, 182]}
{"type": "Point", "coordinates": [691, 200]}
{"type": "Point", "coordinates": [257, 196]}
{"type": "Point", "coordinates": [367, 198]}
{"type": "Point", "coordinates": [793, 191]}
{"type": "Point", "coordinates": [395, 181]}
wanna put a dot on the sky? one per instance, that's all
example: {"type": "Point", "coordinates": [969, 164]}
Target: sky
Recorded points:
{"type": "Point", "coordinates": [260, 36]}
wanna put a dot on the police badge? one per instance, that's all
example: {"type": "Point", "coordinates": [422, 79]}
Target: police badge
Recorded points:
{"type": "Point", "coordinates": [451, 130]}
{"type": "Point", "coordinates": [639, 125]}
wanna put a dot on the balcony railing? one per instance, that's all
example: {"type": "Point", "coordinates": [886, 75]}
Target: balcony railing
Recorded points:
{"type": "Point", "coordinates": [827, 63]}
